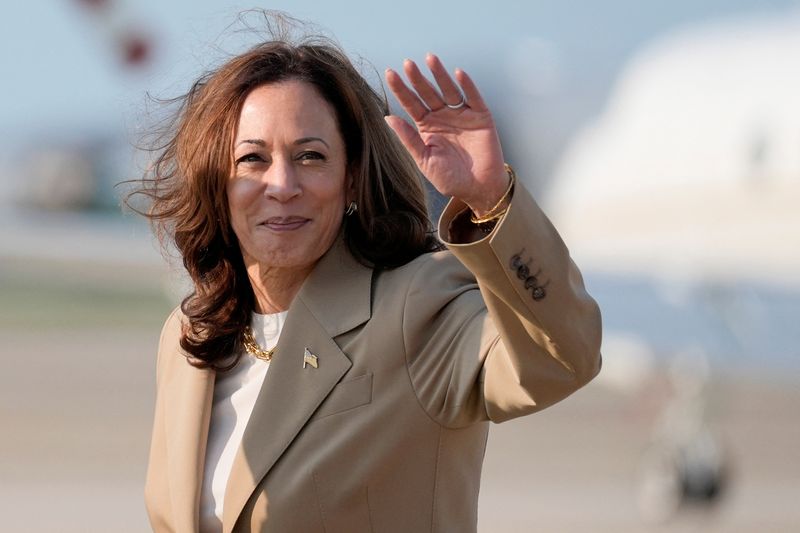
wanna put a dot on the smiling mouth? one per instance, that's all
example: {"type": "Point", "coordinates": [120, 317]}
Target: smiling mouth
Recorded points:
{"type": "Point", "coordinates": [285, 223]}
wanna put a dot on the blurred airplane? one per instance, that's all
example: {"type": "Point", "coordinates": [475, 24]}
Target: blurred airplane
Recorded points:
{"type": "Point", "coordinates": [690, 183]}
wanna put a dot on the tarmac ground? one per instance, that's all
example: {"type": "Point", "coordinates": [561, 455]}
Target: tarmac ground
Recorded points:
{"type": "Point", "coordinates": [76, 401]}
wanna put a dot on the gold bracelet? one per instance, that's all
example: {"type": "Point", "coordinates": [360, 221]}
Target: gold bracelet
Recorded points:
{"type": "Point", "coordinates": [485, 220]}
{"type": "Point", "coordinates": [491, 215]}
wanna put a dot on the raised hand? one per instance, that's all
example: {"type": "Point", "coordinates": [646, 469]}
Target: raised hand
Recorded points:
{"type": "Point", "coordinates": [455, 143]}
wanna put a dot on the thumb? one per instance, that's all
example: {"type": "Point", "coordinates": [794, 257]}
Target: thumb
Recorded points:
{"type": "Point", "coordinates": [408, 136]}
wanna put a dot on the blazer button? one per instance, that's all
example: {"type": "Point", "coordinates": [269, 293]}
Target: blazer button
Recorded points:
{"type": "Point", "coordinates": [523, 271]}
{"type": "Point", "coordinates": [539, 293]}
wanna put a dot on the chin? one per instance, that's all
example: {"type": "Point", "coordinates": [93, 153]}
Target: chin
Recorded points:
{"type": "Point", "coordinates": [292, 256]}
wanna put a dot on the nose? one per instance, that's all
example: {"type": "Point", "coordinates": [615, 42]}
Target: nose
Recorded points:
{"type": "Point", "coordinates": [283, 183]}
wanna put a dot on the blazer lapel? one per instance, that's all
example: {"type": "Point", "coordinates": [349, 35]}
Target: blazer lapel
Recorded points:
{"type": "Point", "coordinates": [334, 299]}
{"type": "Point", "coordinates": [188, 412]}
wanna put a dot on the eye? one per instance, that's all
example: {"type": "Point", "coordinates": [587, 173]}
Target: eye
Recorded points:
{"type": "Point", "coordinates": [250, 158]}
{"type": "Point", "coordinates": [310, 155]}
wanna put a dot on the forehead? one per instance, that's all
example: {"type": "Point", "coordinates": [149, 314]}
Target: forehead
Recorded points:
{"type": "Point", "coordinates": [286, 108]}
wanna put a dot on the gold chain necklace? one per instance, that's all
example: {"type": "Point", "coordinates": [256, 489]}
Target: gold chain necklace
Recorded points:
{"type": "Point", "coordinates": [253, 348]}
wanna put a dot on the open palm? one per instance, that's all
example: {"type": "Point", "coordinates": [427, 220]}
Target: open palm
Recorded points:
{"type": "Point", "coordinates": [455, 142]}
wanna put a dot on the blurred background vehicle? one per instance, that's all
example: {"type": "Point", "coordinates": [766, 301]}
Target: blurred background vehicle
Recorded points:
{"type": "Point", "coordinates": [663, 140]}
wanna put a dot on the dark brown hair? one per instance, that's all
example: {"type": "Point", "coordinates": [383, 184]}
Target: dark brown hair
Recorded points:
{"type": "Point", "coordinates": [186, 185]}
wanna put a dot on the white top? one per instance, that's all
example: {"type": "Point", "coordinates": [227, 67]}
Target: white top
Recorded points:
{"type": "Point", "coordinates": [235, 394]}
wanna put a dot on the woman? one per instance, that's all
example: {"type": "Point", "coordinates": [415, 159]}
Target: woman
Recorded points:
{"type": "Point", "coordinates": [333, 369]}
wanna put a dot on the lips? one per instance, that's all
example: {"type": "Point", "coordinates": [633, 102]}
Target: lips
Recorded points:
{"type": "Point", "coordinates": [290, 223]}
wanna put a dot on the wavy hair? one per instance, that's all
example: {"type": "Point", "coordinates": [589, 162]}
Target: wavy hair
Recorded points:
{"type": "Point", "coordinates": [185, 187]}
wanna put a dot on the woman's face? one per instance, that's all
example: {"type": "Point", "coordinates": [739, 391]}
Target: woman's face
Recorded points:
{"type": "Point", "coordinates": [287, 193]}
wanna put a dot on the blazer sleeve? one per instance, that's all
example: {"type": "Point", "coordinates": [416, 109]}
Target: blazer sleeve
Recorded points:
{"type": "Point", "coordinates": [156, 491]}
{"type": "Point", "coordinates": [502, 326]}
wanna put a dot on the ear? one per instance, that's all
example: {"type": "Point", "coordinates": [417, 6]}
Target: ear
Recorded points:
{"type": "Point", "coordinates": [349, 188]}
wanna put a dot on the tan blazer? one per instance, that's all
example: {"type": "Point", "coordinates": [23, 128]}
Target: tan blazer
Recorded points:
{"type": "Point", "coordinates": [388, 433]}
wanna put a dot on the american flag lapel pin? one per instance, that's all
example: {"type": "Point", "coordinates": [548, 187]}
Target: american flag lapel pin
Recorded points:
{"type": "Point", "coordinates": [310, 359]}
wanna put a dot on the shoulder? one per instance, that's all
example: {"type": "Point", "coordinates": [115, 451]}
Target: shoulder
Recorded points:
{"type": "Point", "coordinates": [173, 327]}
{"type": "Point", "coordinates": [434, 286]}
{"type": "Point", "coordinates": [169, 343]}
{"type": "Point", "coordinates": [430, 272]}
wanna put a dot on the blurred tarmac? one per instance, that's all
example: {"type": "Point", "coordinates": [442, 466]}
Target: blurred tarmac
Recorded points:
{"type": "Point", "coordinates": [77, 404]}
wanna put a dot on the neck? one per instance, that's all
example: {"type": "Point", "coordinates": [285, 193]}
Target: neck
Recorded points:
{"type": "Point", "coordinates": [275, 287]}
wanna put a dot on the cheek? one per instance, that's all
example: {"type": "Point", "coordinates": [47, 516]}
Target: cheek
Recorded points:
{"type": "Point", "coordinates": [241, 194]}
{"type": "Point", "coordinates": [334, 204]}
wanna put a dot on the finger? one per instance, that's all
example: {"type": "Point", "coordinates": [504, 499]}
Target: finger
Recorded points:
{"type": "Point", "coordinates": [408, 136]}
{"type": "Point", "coordinates": [423, 86]}
{"type": "Point", "coordinates": [407, 98]}
{"type": "Point", "coordinates": [471, 91]}
{"type": "Point", "coordinates": [451, 92]}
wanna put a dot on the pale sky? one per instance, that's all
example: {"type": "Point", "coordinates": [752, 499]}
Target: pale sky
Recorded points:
{"type": "Point", "coordinates": [58, 72]}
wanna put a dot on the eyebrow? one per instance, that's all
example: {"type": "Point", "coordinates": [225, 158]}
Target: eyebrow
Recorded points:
{"type": "Point", "coordinates": [257, 142]}
{"type": "Point", "coordinates": [306, 140]}
{"type": "Point", "coordinates": [302, 140]}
